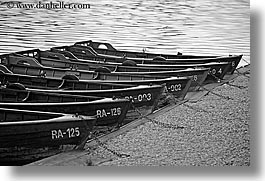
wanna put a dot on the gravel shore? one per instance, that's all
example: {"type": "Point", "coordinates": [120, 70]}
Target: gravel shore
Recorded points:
{"type": "Point", "coordinates": [212, 132]}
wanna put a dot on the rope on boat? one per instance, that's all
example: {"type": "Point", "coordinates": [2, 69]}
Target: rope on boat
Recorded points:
{"type": "Point", "coordinates": [219, 80]}
{"type": "Point", "coordinates": [164, 125]}
{"type": "Point", "coordinates": [83, 142]}
{"type": "Point", "coordinates": [101, 144]}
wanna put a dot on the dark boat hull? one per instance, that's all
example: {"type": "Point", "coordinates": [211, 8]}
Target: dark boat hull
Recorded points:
{"type": "Point", "coordinates": [173, 85]}
{"type": "Point", "coordinates": [25, 137]}
{"type": "Point", "coordinates": [144, 98]}
{"type": "Point", "coordinates": [55, 83]}
{"type": "Point", "coordinates": [114, 110]}
{"type": "Point", "coordinates": [197, 75]}
{"type": "Point", "coordinates": [109, 50]}
{"type": "Point", "coordinates": [86, 52]}
{"type": "Point", "coordinates": [217, 68]}
{"type": "Point", "coordinates": [29, 66]}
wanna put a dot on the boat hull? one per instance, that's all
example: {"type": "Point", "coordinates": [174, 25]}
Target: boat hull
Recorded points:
{"type": "Point", "coordinates": [55, 83]}
{"type": "Point", "coordinates": [25, 138]}
{"type": "Point", "coordinates": [109, 50]}
{"type": "Point", "coordinates": [85, 52]}
{"type": "Point", "coordinates": [218, 69]}
{"type": "Point", "coordinates": [108, 111]}
{"type": "Point", "coordinates": [175, 85]}
{"type": "Point", "coordinates": [144, 98]}
{"type": "Point", "coordinates": [197, 76]}
{"type": "Point", "coordinates": [51, 59]}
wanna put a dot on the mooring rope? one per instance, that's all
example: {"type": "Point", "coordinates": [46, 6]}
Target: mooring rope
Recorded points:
{"type": "Point", "coordinates": [219, 95]}
{"type": "Point", "coordinates": [240, 73]}
{"type": "Point", "coordinates": [165, 125]}
{"type": "Point", "coordinates": [83, 142]}
{"type": "Point", "coordinates": [237, 86]}
{"type": "Point", "coordinates": [220, 80]}
{"type": "Point", "coordinates": [248, 63]}
{"type": "Point", "coordinates": [120, 155]}
{"type": "Point", "coordinates": [191, 107]}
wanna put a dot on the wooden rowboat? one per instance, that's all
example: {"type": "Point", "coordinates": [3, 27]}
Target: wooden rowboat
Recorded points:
{"type": "Point", "coordinates": [144, 97]}
{"type": "Point", "coordinates": [114, 110]}
{"type": "Point", "coordinates": [29, 66]}
{"type": "Point", "coordinates": [57, 60]}
{"type": "Point", "coordinates": [6, 76]}
{"type": "Point", "coordinates": [27, 136]}
{"type": "Point", "coordinates": [217, 69]}
{"type": "Point", "coordinates": [110, 51]}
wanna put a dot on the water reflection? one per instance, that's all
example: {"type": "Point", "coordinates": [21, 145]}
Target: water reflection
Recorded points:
{"type": "Point", "coordinates": [194, 26]}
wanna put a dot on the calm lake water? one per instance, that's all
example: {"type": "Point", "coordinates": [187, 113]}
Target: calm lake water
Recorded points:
{"type": "Point", "coordinates": [193, 26]}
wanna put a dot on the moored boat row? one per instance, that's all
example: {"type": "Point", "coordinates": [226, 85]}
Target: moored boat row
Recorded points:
{"type": "Point", "coordinates": [144, 57]}
{"type": "Point", "coordinates": [85, 82]}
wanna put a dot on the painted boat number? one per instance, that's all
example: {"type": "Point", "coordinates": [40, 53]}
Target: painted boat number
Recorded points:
{"type": "Point", "coordinates": [113, 112]}
{"type": "Point", "coordinates": [68, 133]}
{"type": "Point", "coordinates": [174, 88]}
{"type": "Point", "coordinates": [219, 71]}
{"type": "Point", "coordinates": [140, 97]}
{"type": "Point", "coordinates": [195, 77]}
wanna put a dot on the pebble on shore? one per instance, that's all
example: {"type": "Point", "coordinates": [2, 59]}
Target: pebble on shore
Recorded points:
{"type": "Point", "coordinates": [213, 132]}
